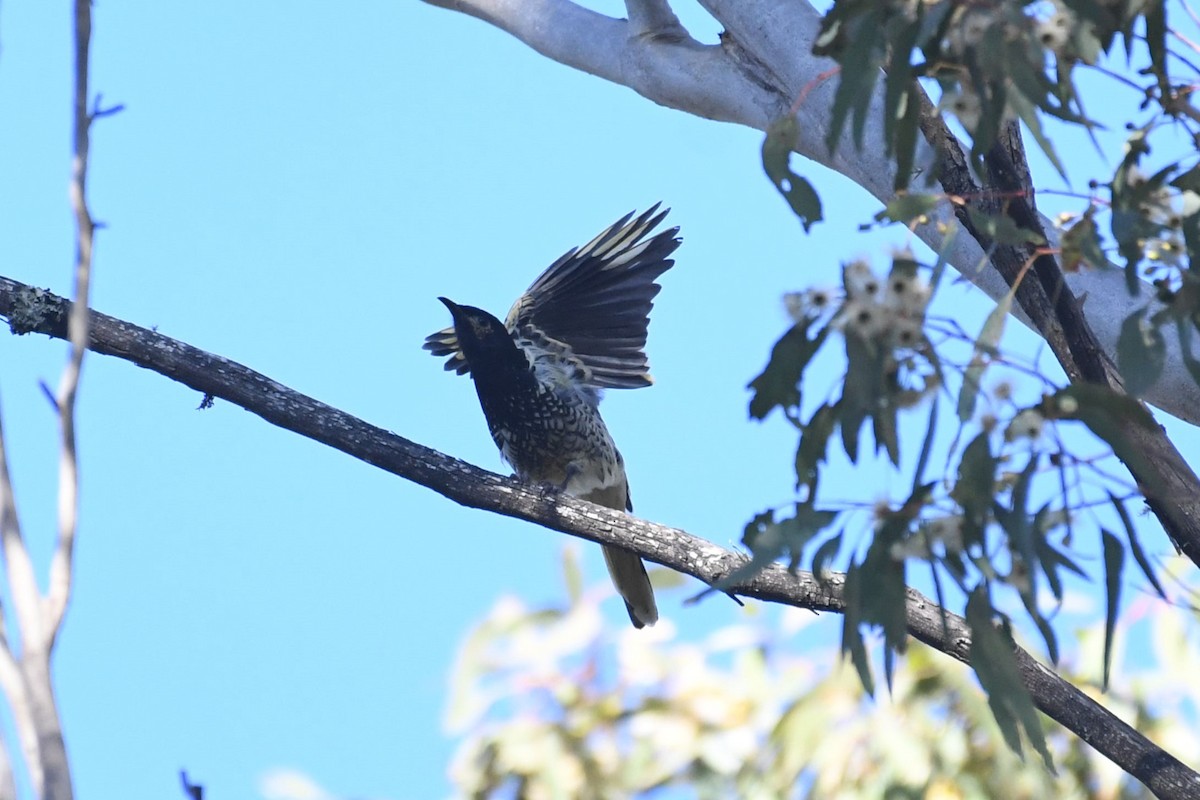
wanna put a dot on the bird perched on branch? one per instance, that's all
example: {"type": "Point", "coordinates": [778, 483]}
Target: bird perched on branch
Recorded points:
{"type": "Point", "coordinates": [580, 328]}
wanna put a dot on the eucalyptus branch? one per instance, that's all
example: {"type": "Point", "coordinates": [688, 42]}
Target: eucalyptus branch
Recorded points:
{"type": "Point", "coordinates": [1171, 487]}
{"type": "Point", "coordinates": [31, 310]}
{"type": "Point", "coordinates": [654, 18]}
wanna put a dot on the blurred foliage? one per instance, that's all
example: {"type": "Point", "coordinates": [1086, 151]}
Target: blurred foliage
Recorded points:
{"type": "Point", "coordinates": [550, 703]}
{"type": "Point", "coordinates": [1000, 518]}
{"type": "Point", "coordinates": [989, 63]}
{"type": "Point", "coordinates": [994, 61]}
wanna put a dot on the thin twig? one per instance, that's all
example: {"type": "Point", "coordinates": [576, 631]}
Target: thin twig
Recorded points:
{"type": "Point", "coordinates": [1191, 12]}
{"type": "Point", "coordinates": [1119, 78]}
{"type": "Point", "coordinates": [59, 591]}
{"type": "Point", "coordinates": [812, 84]}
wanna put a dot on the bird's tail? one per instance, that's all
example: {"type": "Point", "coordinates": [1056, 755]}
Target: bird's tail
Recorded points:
{"type": "Point", "coordinates": [629, 576]}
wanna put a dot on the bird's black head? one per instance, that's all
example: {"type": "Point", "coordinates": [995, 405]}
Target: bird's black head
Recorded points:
{"type": "Point", "coordinates": [483, 338]}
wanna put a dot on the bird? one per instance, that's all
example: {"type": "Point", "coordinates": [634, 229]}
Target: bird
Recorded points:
{"type": "Point", "coordinates": [578, 329]}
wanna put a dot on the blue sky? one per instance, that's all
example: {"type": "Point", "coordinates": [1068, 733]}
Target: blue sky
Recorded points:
{"type": "Point", "coordinates": [292, 188]}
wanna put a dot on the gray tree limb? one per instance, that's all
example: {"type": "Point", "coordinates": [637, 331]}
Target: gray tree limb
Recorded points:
{"type": "Point", "coordinates": [754, 76]}
{"type": "Point", "coordinates": [31, 310]}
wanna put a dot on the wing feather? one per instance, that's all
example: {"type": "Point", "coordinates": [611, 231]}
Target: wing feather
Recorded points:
{"type": "Point", "coordinates": [591, 307]}
{"type": "Point", "coordinates": [596, 300]}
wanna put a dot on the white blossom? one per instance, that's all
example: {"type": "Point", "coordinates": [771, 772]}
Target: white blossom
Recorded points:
{"type": "Point", "coordinates": [1055, 32]}
{"type": "Point", "coordinates": [1027, 424]}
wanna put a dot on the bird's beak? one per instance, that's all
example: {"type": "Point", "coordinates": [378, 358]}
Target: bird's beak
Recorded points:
{"type": "Point", "coordinates": [455, 309]}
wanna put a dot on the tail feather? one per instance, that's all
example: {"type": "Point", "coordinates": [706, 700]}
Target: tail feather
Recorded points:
{"type": "Point", "coordinates": [628, 574]}
{"type": "Point", "coordinates": [626, 569]}
{"type": "Point", "coordinates": [445, 343]}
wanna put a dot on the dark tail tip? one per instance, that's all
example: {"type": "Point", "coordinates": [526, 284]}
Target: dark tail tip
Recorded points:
{"type": "Point", "coordinates": [637, 623]}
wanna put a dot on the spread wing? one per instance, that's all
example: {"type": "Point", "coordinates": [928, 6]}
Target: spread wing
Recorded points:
{"type": "Point", "coordinates": [592, 305]}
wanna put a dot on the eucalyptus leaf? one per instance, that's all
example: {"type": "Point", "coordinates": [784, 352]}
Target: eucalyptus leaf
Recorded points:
{"type": "Point", "coordinates": [1135, 547]}
{"type": "Point", "coordinates": [824, 555]}
{"type": "Point", "coordinates": [776, 158]}
{"type": "Point", "coordinates": [852, 640]}
{"type": "Point", "coordinates": [906, 136]}
{"type": "Point", "coordinates": [1112, 417]}
{"type": "Point", "coordinates": [1029, 600]}
{"type": "Point", "coordinates": [798, 531]}
{"type": "Point", "coordinates": [906, 207]}
{"type": "Point", "coordinates": [885, 430]}
{"type": "Point", "coordinates": [1141, 353]}
{"type": "Point", "coordinates": [1048, 556]}
{"type": "Point", "coordinates": [768, 540]}
{"type": "Point", "coordinates": [1001, 228]}
{"type": "Point", "coordinates": [1018, 526]}
{"type": "Point", "coordinates": [1025, 110]}
{"type": "Point", "coordinates": [975, 488]}
{"type": "Point", "coordinates": [994, 660]}
{"type": "Point", "coordinates": [985, 346]}
{"type": "Point", "coordinates": [1156, 41]}
{"type": "Point", "coordinates": [1081, 245]}
{"type": "Point", "coordinates": [779, 382]}
{"type": "Point", "coordinates": [814, 444]}
{"type": "Point", "coordinates": [1114, 560]}
{"type": "Point", "coordinates": [862, 390]}
{"type": "Point", "coordinates": [886, 604]}
{"type": "Point", "coordinates": [926, 445]}
{"type": "Point", "coordinates": [860, 69]}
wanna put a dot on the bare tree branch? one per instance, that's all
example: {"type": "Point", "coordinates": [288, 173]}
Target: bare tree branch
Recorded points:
{"type": "Point", "coordinates": [654, 18]}
{"type": "Point", "coordinates": [20, 574]}
{"type": "Point", "coordinates": [59, 591]}
{"type": "Point", "coordinates": [37, 643]}
{"type": "Point", "coordinates": [39, 689]}
{"type": "Point", "coordinates": [12, 683]}
{"type": "Point", "coordinates": [23, 590]}
{"type": "Point", "coordinates": [680, 74]}
{"type": "Point", "coordinates": [763, 63]}
{"type": "Point", "coordinates": [8, 783]}
{"type": "Point", "coordinates": [25, 676]}
{"type": "Point", "coordinates": [31, 310]}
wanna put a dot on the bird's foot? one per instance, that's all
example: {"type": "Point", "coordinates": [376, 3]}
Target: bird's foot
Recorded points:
{"type": "Point", "coordinates": [548, 488]}
{"type": "Point", "coordinates": [572, 471]}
